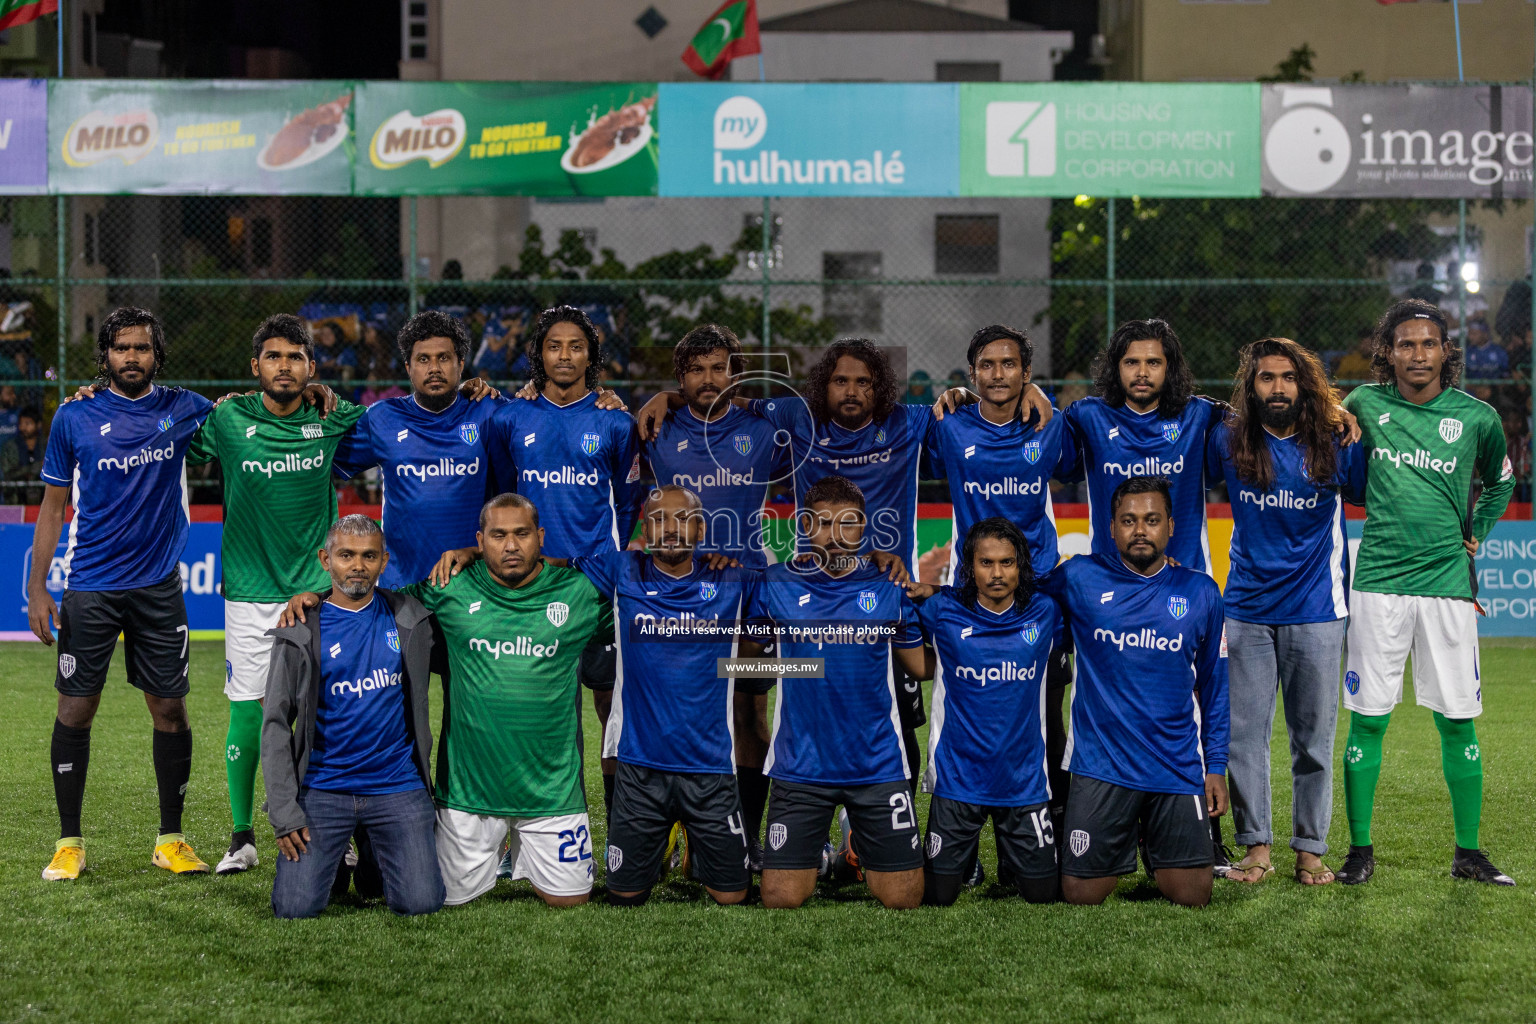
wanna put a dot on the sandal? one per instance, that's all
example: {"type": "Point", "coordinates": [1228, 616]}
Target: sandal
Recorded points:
{"type": "Point", "coordinates": [1310, 876]}
{"type": "Point", "coordinates": [1242, 867]}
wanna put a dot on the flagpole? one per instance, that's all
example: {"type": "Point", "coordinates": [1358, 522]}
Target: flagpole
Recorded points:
{"type": "Point", "coordinates": [60, 40]}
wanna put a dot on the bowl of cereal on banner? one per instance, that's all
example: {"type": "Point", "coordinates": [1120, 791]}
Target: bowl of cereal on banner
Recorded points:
{"type": "Point", "coordinates": [307, 136]}
{"type": "Point", "coordinates": [615, 154]}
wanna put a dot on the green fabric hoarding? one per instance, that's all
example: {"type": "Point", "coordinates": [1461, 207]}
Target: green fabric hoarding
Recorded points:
{"type": "Point", "coordinates": [1109, 139]}
{"type": "Point", "coordinates": [199, 137]}
{"type": "Point", "coordinates": [507, 138]}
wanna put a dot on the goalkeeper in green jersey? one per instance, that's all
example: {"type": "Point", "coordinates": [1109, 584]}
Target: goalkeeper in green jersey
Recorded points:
{"type": "Point", "coordinates": [1415, 582]}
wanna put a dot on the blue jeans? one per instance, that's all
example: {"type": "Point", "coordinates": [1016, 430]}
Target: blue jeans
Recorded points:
{"type": "Point", "coordinates": [400, 828]}
{"type": "Point", "coordinates": [1302, 663]}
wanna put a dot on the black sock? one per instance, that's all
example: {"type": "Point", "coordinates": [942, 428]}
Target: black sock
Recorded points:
{"type": "Point", "coordinates": [914, 761]}
{"type": "Point", "coordinates": [1040, 890]}
{"type": "Point", "coordinates": [245, 837]}
{"type": "Point", "coordinates": [70, 754]}
{"type": "Point", "coordinates": [941, 890]}
{"type": "Point", "coordinates": [752, 785]}
{"type": "Point", "coordinates": [173, 767]}
{"type": "Point", "coordinates": [608, 794]}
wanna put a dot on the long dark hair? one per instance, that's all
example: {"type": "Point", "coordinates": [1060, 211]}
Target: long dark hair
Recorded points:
{"type": "Point", "coordinates": [583, 323]}
{"type": "Point", "coordinates": [1386, 329]}
{"type": "Point", "coordinates": [1178, 385]}
{"type": "Point", "coordinates": [120, 320]}
{"type": "Point", "coordinates": [1316, 421]}
{"type": "Point", "coordinates": [887, 390]}
{"type": "Point", "coordinates": [996, 528]}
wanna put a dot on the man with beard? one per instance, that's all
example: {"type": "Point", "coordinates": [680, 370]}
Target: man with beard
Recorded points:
{"type": "Point", "coordinates": [430, 445]}
{"type": "Point", "coordinates": [275, 454]}
{"type": "Point", "coordinates": [121, 461]}
{"type": "Point", "coordinates": [1286, 596]}
{"type": "Point", "coordinates": [1143, 630]}
{"type": "Point", "coordinates": [578, 462]}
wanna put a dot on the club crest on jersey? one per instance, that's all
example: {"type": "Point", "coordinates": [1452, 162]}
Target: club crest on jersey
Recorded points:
{"type": "Point", "coordinates": [165, 424]}
{"type": "Point", "coordinates": [1031, 452]}
{"type": "Point", "coordinates": [66, 665]}
{"type": "Point", "coordinates": [469, 433]}
{"type": "Point", "coordinates": [778, 834]}
{"type": "Point", "coordinates": [867, 600]}
{"type": "Point", "coordinates": [590, 442]}
{"type": "Point", "coordinates": [707, 591]}
{"type": "Point", "coordinates": [880, 436]}
{"type": "Point", "coordinates": [1450, 430]}
{"type": "Point", "coordinates": [615, 858]}
{"type": "Point", "coordinates": [1352, 682]}
{"type": "Point", "coordinates": [1030, 633]}
{"type": "Point", "coordinates": [311, 431]}
{"type": "Point", "coordinates": [935, 844]}
{"type": "Point", "coordinates": [557, 612]}
{"type": "Point", "coordinates": [1177, 606]}
{"type": "Point", "coordinates": [393, 637]}
{"type": "Point", "coordinates": [1079, 842]}
{"type": "Point", "coordinates": [742, 443]}
{"type": "Point", "coordinates": [1170, 432]}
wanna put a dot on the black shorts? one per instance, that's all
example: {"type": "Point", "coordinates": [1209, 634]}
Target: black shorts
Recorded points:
{"type": "Point", "coordinates": [755, 685]}
{"type": "Point", "coordinates": [909, 700]}
{"type": "Point", "coordinates": [1104, 820]}
{"type": "Point", "coordinates": [645, 804]}
{"type": "Point", "coordinates": [598, 666]}
{"type": "Point", "coordinates": [1026, 841]}
{"type": "Point", "coordinates": [153, 622]}
{"type": "Point", "coordinates": [881, 814]}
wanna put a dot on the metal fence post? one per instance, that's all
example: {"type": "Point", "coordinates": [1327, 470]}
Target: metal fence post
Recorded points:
{"type": "Point", "coordinates": [60, 241]}
{"type": "Point", "coordinates": [767, 286]}
{"type": "Point", "coordinates": [1109, 272]}
{"type": "Point", "coordinates": [1461, 268]}
{"type": "Point", "coordinates": [410, 271]}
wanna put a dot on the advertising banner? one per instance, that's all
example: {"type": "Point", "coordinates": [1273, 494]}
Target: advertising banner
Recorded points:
{"type": "Point", "coordinates": [1109, 139]}
{"type": "Point", "coordinates": [780, 139]}
{"type": "Point", "coordinates": [1398, 141]}
{"type": "Point", "coordinates": [507, 138]}
{"type": "Point", "coordinates": [199, 138]}
{"type": "Point", "coordinates": [23, 136]}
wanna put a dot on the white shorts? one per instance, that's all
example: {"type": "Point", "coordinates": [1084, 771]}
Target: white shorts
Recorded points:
{"type": "Point", "coordinates": [1441, 633]}
{"type": "Point", "coordinates": [553, 853]}
{"type": "Point", "coordinates": [247, 648]}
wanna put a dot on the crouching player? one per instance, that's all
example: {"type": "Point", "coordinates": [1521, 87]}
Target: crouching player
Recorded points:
{"type": "Point", "coordinates": [993, 636]}
{"type": "Point", "coordinates": [1143, 629]}
{"type": "Point", "coordinates": [354, 679]}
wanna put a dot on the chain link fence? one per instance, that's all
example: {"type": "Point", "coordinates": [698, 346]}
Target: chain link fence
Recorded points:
{"type": "Point", "coordinates": [788, 275]}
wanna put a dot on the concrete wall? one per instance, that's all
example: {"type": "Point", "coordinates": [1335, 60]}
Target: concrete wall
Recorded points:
{"type": "Point", "coordinates": [900, 56]}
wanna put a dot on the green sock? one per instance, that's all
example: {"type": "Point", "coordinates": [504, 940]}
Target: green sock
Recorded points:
{"type": "Point", "coordinates": [1362, 767]}
{"type": "Point", "coordinates": [242, 758]}
{"type": "Point", "coordinates": [1462, 761]}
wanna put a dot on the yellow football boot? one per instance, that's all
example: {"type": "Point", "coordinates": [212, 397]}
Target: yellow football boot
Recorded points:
{"type": "Point", "coordinates": [175, 855]}
{"type": "Point", "coordinates": [68, 861]}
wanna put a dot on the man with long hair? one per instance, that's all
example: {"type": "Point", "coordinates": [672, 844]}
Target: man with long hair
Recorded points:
{"type": "Point", "coordinates": [1415, 583]}
{"type": "Point", "coordinates": [1286, 595]}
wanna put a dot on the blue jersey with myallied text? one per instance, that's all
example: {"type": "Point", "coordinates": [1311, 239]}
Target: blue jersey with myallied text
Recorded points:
{"type": "Point", "coordinates": [1147, 647]}
{"type": "Point", "coordinates": [436, 475]}
{"type": "Point", "coordinates": [125, 460]}
{"type": "Point", "coordinates": [1116, 443]}
{"type": "Point", "coordinates": [671, 711]}
{"type": "Point", "coordinates": [986, 732]}
{"type": "Point", "coordinates": [843, 729]}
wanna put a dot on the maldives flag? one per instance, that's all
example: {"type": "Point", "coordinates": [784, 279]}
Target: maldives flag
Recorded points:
{"type": "Point", "coordinates": [729, 33]}
{"type": "Point", "coordinates": [19, 12]}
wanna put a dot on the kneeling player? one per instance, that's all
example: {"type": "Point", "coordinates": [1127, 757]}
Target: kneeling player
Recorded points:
{"type": "Point", "coordinates": [987, 749]}
{"type": "Point", "coordinates": [1143, 629]}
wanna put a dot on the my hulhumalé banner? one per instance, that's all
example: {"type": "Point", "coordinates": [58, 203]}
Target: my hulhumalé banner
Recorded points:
{"type": "Point", "coordinates": [199, 137]}
{"type": "Point", "coordinates": [1109, 139]}
{"type": "Point", "coordinates": [507, 138]}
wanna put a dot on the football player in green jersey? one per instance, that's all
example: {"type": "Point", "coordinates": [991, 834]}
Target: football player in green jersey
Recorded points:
{"type": "Point", "coordinates": [1415, 583]}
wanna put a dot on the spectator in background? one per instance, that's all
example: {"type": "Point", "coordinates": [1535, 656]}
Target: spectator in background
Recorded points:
{"type": "Point", "coordinates": [452, 292]}
{"type": "Point", "coordinates": [1513, 324]}
{"type": "Point", "coordinates": [1484, 358]}
{"type": "Point", "coordinates": [1356, 365]}
{"type": "Point", "coordinates": [501, 356]}
{"type": "Point", "coordinates": [1517, 438]}
{"type": "Point", "coordinates": [919, 389]}
{"type": "Point", "coordinates": [958, 379]}
{"type": "Point", "coordinates": [1424, 285]}
{"type": "Point", "coordinates": [8, 412]}
{"type": "Point", "coordinates": [377, 365]}
{"type": "Point", "coordinates": [334, 358]}
{"type": "Point", "coordinates": [21, 458]}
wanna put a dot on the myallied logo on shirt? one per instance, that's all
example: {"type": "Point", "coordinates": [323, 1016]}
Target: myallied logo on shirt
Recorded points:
{"type": "Point", "coordinates": [311, 431]}
{"type": "Point", "coordinates": [867, 600]}
{"type": "Point", "coordinates": [378, 679]}
{"type": "Point", "coordinates": [1178, 607]}
{"type": "Point", "coordinates": [1031, 452]}
{"type": "Point", "coordinates": [1170, 432]}
{"type": "Point", "coordinates": [707, 591]}
{"type": "Point", "coordinates": [469, 433]}
{"type": "Point", "coordinates": [1030, 633]}
{"type": "Point", "coordinates": [590, 443]}
{"type": "Point", "coordinates": [742, 443]}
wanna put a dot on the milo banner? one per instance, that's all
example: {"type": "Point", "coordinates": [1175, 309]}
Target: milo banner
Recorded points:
{"type": "Point", "coordinates": [507, 138]}
{"type": "Point", "coordinates": [23, 136]}
{"type": "Point", "coordinates": [193, 138]}
{"type": "Point", "coordinates": [1109, 139]}
{"type": "Point", "coordinates": [1398, 141]}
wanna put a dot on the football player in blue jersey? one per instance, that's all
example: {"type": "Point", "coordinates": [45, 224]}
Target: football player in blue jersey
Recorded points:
{"type": "Point", "coordinates": [837, 738]}
{"type": "Point", "coordinates": [1286, 598]}
{"type": "Point", "coordinates": [728, 457]}
{"type": "Point", "coordinates": [993, 635]}
{"type": "Point", "coordinates": [578, 463]}
{"type": "Point", "coordinates": [430, 445]}
{"type": "Point", "coordinates": [121, 461]}
{"type": "Point", "coordinates": [1144, 630]}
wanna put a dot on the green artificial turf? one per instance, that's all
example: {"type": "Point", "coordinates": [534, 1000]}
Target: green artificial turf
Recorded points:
{"type": "Point", "coordinates": [130, 942]}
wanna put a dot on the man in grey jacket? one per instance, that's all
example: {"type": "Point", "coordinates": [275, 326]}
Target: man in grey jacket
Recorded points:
{"type": "Point", "coordinates": [345, 740]}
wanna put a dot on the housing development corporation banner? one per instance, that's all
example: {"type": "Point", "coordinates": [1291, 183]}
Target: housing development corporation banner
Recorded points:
{"type": "Point", "coordinates": [199, 137]}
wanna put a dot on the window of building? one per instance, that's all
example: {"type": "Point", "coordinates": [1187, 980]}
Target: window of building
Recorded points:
{"type": "Point", "coordinates": [965, 243]}
{"type": "Point", "coordinates": [850, 292]}
{"type": "Point", "coordinates": [968, 71]}
{"type": "Point", "coordinates": [413, 30]}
